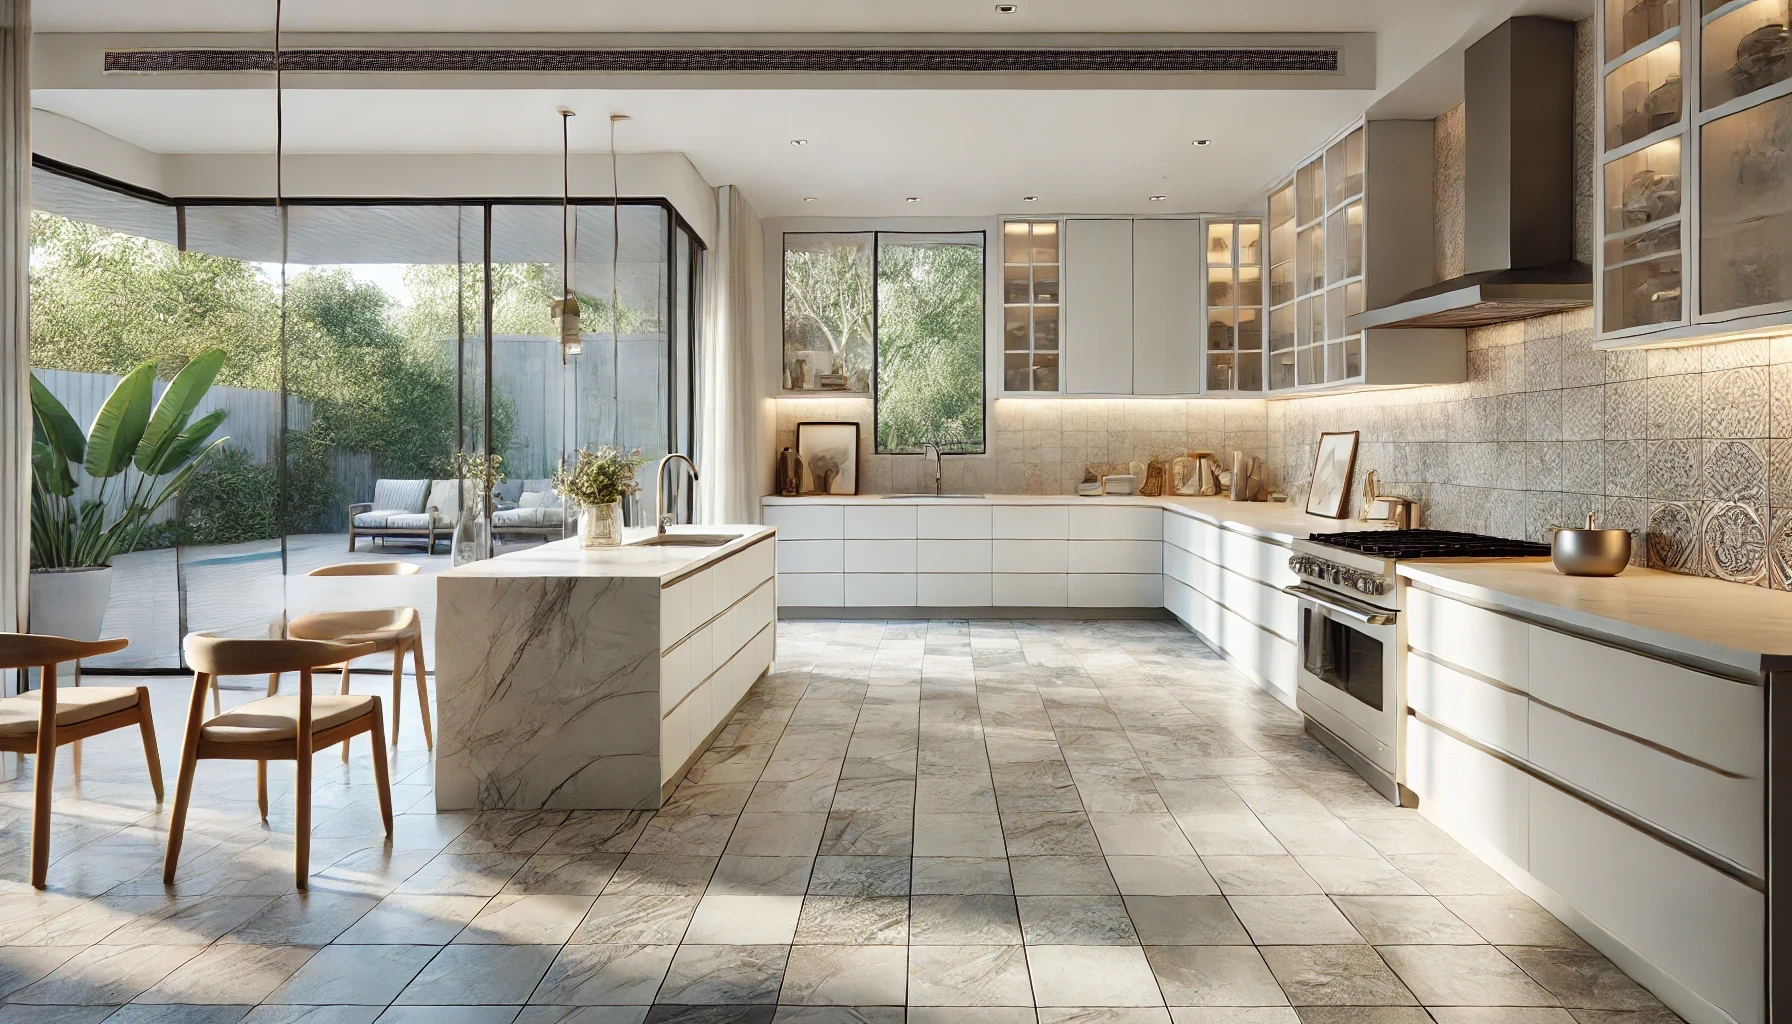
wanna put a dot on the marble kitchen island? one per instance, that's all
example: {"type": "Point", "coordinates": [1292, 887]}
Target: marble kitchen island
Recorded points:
{"type": "Point", "coordinates": [576, 679]}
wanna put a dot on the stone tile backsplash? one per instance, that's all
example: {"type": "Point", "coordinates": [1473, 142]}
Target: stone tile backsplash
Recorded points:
{"type": "Point", "coordinates": [1689, 448]}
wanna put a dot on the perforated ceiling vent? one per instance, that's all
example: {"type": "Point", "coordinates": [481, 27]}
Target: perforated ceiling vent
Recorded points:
{"type": "Point", "coordinates": [1277, 60]}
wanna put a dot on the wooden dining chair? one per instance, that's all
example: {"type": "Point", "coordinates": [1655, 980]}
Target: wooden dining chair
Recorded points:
{"type": "Point", "coordinates": [399, 630]}
{"type": "Point", "coordinates": [273, 728]}
{"type": "Point", "coordinates": [48, 717]}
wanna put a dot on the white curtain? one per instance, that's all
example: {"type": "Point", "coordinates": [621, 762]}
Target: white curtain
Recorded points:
{"type": "Point", "coordinates": [727, 399]}
{"type": "Point", "coordinates": [15, 363]}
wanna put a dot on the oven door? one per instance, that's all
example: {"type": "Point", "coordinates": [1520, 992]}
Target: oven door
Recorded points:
{"type": "Point", "coordinates": [1348, 672]}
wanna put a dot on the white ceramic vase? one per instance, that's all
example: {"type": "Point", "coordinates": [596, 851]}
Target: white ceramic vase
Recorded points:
{"type": "Point", "coordinates": [70, 602]}
{"type": "Point", "coordinates": [600, 526]}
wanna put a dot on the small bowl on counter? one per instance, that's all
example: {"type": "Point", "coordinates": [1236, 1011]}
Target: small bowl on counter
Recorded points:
{"type": "Point", "coordinates": [1590, 551]}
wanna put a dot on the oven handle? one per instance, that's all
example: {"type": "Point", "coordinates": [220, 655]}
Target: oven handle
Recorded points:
{"type": "Point", "coordinates": [1366, 614]}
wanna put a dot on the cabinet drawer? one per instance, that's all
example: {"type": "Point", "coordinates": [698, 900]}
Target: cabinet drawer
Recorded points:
{"type": "Point", "coordinates": [675, 613]}
{"type": "Point", "coordinates": [1479, 710]}
{"type": "Point", "coordinates": [1116, 590]}
{"type": "Point", "coordinates": [1717, 721]}
{"type": "Point", "coordinates": [810, 589]}
{"type": "Point", "coordinates": [1697, 924]}
{"type": "Point", "coordinates": [880, 589]}
{"type": "Point", "coordinates": [1247, 556]}
{"type": "Point", "coordinates": [1030, 522]}
{"type": "Point", "coordinates": [880, 556]}
{"type": "Point", "coordinates": [1472, 638]}
{"type": "Point", "coordinates": [961, 556]}
{"type": "Point", "coordinates": [805, 522]}
{"type": "Point", "coordinates": [1031, 556]}
{"type": "Point", "coordinates": [810, 555]}
{"type": "Point", "coordinates": [1473, 795]}
{"type": "Point", "coordinates": [1254, 649]}
{"type": "Point", "coordinates": [675, 677]}
{"type": "Point", "coordinates": [1030, 590]}
{"type": "Point", "coordinates": [954, 590]}
{"type": "Point", "coordinates": [754, 566]}
{"type": "Point", "coordinates": [1115, 522]}
{"type": "Point", "coordinates": [1259, 602]}
{"type": "Point", "coordinates": [889, 521]}
{"type": "Point", "coordinates": [953, 522]}
{"type": "Point", "coordinates": [701, 587]}
{"type": "Point", "coordinates": [1719, 812]}
{"type": "Point", "coordinates": [1116, 556]}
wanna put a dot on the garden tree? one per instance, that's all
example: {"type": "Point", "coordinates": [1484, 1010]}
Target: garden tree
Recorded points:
{"type": "Point", "coordinates": [521, 293]}
{"type": "Point", "coordinates": [929, 344]}
{"type": "Point", "coordinates": [828, 306]}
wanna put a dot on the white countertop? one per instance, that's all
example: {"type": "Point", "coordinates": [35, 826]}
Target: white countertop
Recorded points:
{"type": "Point", "coordinates": [1274, 521]}
{"type": "Point", "coordinates": [565, 558]}
{"type": "Point", "coordinates": [1748, 628]}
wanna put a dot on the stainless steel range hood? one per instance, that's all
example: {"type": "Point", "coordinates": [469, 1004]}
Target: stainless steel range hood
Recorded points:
{"type": "Point", "coordinates": [1519, 162]}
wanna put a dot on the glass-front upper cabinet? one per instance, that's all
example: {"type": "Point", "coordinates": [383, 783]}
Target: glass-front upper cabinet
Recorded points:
{"type": "Point", "coordinates": [1696, 126]}
{"type": "Point", "coordinates": [1316, 229]}
{"type": "Point", "coordinates": [1030, 284]}
{"type": "Point", "coordinates": [1234, 261]}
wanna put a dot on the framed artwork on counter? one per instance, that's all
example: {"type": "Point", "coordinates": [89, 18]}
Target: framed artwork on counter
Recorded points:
{"type": "Point", "coordinates": [830, 454]}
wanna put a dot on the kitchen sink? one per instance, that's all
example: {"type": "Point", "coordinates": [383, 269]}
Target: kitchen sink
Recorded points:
{"type": "Point", "coordinates": [911, 497]}
{"type": "Point", "coordinates": [686, 540]}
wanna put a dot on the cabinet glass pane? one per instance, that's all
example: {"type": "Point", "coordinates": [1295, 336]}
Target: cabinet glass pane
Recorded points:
{"type": "Point", "coordinates": [1353, 357]}
{"type": "Point", "coordinates": [1017, 372]}
{"type": "Point", "coordinates": [1334, 362]}
{"type": "Point", "coordinates": [1281, 370]}
{"type": "Point", "coordinates": [1311, 365]}
{"type": "Point", "coordinates": [1334, 174]}
{"type": "Point", "coordinates": [1222, 328]}
{"type": "Point", "coordinates": [1017, 283]}
{"type": "Point", "coordinates": [1281, 205]}
{"type": "Point", "coordinates": [1219, 244]}
{"type": "Point", "coordinates": [1303, 322]}
{"type": "Point", "coordinates": [1309, 260]}
{"type": "Point", "coordinates": [1014, 329]}
{"type": "Point", "coordinates": [1250, 371]}
{"type": "Point", "coordinates": [1643, 95]}
{"type": "Point", "coordinates": [1015, 244]}
{"type": "Point", "coordinates": [1281, 282]}
{"type": "Point", "coordinates": [1334, 312]}
{"type": "Point", "coordinates": [1045, 241]}
{"type": "Point", "coordinates": [1643, 187]}
{"type": "Point", "coordinates": [1344, 169]}
{"type": "Point", "coordinates": [1045, 371]}
{"type": "Point", "coordinates": [1642, 293]}
{"type": "Point", "coordinates": [1334, 247]}
{"type": "Point", "coordinates": [1250, 328]}
{"type": "Point", "coordinates": [1353, 174]}
{"type": "Point", "coordinates": [1250, 286]}
{"type": "Point", "coordinates": [1630, 23]}
{"type": "Point", "coordinates": [1745, 50]}
{"type": "Point", "coordinates": [1220, 288]}
{"type": "Point", "coordinates": [1353, 298]}
{"type": "Point", "coordinates": [1353, 239]}
{"type": "Point", "coordinates": [1220, 376]}
{"type": "Point", "coordinates": [1647, 242]}
{"type": "Point", "coordinates": [1315, 319]}
{"type": "Point", "coordinates": [1309, 191]}
{"type": "Point", "coordinates": [1045, 282]}
{"type": "Point", "coordinates": [1045, 328]}
{"type": "Point", "coordinates": [1249, 251]}
{"type": "Point", "coordinates": [1746, 208]}
{"type": "Point", "coordinates": [1281, 328]}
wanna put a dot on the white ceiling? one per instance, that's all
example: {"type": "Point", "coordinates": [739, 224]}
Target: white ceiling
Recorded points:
{"type": "Point", "coordinates": [966, 153]}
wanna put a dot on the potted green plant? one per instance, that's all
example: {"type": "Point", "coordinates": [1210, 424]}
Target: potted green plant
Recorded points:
{"type": "Point", "coordinates": [472, 533]}
{"type": "Point", "coordinates": [597, 483]}
{"type": "Point", "coordinates": [139, 456]}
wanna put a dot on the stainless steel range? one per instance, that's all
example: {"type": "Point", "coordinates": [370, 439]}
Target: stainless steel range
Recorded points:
{"type": "Point", "coordinates": [1351, 636]}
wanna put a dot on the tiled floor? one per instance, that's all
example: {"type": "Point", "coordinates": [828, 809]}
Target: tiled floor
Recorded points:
{"type": "Point", "coordinates": [939, 822]}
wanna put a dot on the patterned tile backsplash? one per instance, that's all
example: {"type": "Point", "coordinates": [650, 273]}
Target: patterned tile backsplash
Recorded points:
{"type": "Point", "coordinates": [1040, 446]}
{"type": "Point", "coordinates": [1690, 448]}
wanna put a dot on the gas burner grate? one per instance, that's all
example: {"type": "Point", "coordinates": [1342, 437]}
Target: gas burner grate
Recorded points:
{"type": "Point", "coordinates": [1429, 544]}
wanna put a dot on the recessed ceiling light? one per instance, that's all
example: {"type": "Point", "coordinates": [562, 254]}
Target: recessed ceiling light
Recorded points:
{"type": "Point", "coordinates": [1158, 199]}
{"type": "Point", "coordinates": [1006, 8]}
{"type": "Point", "coordinates": [808, 199]}
{"type": "Point", "coordinates": [1029, 199]}
{"type": "Point", "coordinates": [1203, 142]}
{"type": "Point", "coordinates": [912, 199]}
{"type": "Point", "coordinates": [799, 142]}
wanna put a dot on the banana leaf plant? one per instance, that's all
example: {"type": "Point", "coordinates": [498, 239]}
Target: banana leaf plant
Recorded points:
{"type": "Point", "coordinates": [140, 457]}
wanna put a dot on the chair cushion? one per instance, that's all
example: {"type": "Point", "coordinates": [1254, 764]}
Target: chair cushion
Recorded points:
{"type": "Point", "coordinates": [271, 719]}
{"type": "Point", "coordinates": [408, 521]}
{"type": "Point", "coordinates": [539, 499]}
{"type": "Point", "coordinates": [74, 704]}
{"type": "Point", "coordinates": [377, 519]}
{"type": "Point", "coordinates": [535, 516]}
{"type": "Point", "coordinates": [383, 625]}
{"type": "Point", "coordinates": [444, 497]}
{"type": "Point", "coordinates": [404, 495]}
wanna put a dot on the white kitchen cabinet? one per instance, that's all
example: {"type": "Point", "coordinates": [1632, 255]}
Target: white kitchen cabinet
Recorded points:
{"type": "Point", "coordinates": [1474, 796]}
{"type": "Point", "coordinates": [954, 556]}
{"type": "Point", "coordinates": [811, 589]}
{"type": "Point", "coordinates": [1030, 590]}
{"type": "Point", "coordinates": [1132, 556]}
{"type": "Point", "coordinates": [888, 521]}
{"type": "Point", "coordinates": [1115, 590]}
{"type": "Point", "coordinates": [811, 555]}
{"type": "Point", "coordinates": [1473, 707]}
{"type": "Point", "coordinates": [806, 522]}
{"type": "Point", "coordinates": [880, 589]}
{"type": "Point", "coordinates": [1098, 307]}
{"type": "Point", "coordinates": [1032, 555]}
{"type": "Point", "coordinates": [1485, 643]}
{"type": "Point", "coordinates": [954, 590]}
{"type": "Point", "coordinates": [1030, 522]}
{"type": "Point", "coordinates": [953, 522]}
{"type": "Point", "coordinates": [1114, 522]}
{"type": "Point", "coordinates": [880, 556]}
{"type": "Point", "coordinates": [1166, 307]}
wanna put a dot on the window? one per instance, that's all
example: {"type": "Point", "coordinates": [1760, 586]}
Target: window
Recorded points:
{"type": "Point", "coordinates": [1030, 305]}
{"type": "Point", "coordinates": [929, 341]}
{"type": "Point", "coordinates": [901, 310]}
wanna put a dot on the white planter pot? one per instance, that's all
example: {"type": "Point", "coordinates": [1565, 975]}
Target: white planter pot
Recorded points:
{"type": "Point", "coordinates": [601, 526]}
{"type": "Point", "coordinates": [70, 602]}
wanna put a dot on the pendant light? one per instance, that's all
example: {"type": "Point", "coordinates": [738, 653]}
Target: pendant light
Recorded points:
{"type": "Point", "coordinates": [565, 310]}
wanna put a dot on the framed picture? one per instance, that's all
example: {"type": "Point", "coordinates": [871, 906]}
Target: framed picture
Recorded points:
{"type": "Point", "coordinates": [830, 454]}
{"type": "Point", "coordinates": [1331, 474]}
